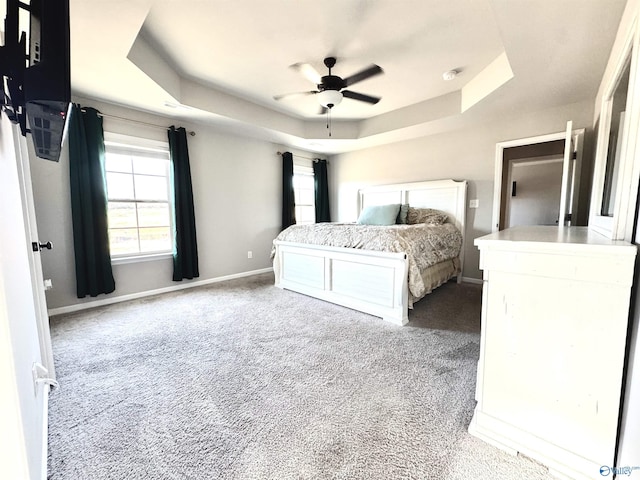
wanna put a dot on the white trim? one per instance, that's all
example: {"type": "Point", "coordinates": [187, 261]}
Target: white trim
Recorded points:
{"type": "Point", "coordinates": [567, 177]}
{"type": "Point", "coordinates": [476, 281]}
{"type": "Point", "coordinates": [134, 296]}
{"type": "Point", "coordinates": [632, 124]}
{"type": "Point", "coordinates": [115, 260]}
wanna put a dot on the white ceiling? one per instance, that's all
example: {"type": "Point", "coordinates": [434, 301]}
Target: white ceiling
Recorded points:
{"type": "Point", "coordinates": [222, 61]}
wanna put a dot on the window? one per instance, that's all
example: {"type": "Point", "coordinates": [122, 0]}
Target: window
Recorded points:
{"type": "Point", "coordinates": [304, 194]}
{"type": "Point", "coordinates": [139, 212]}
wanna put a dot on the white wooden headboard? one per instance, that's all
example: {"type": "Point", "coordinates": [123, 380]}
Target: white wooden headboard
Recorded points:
{"type": "Point", "coordinates": [450, 196]}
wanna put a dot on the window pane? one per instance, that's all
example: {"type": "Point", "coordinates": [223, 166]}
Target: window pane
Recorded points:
{"type": "Point", "coordinates": [150, 166]}
{"type": "Point", "coordinates": [306, 181]}
{"type": "Point", "coordinates": [153, 215]}
{"type": "Point", "coordinates": [120, 186]}
{"type": "Point", "coordinates": [151, 188]}
{"type": "Point", "coordinates": [123, 240]}
{"type": "Point", "coordinates": [305, 197]}
{"type": "Point", "coordinates": [305, 215]}
{"type": "Point", "coordinates": [156, 239]}
{"type": "Point", "coordinates": [115, 162]}
{"type": "Point", "coordinates": [302, 181]}
{"type": "Point", "coordinates": [122, 215]}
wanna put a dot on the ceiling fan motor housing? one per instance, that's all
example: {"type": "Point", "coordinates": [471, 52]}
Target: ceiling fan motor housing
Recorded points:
{"type": "Point", "coordinates": [331, 82]}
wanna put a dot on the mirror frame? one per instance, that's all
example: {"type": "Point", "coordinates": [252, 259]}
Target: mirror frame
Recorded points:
{"type": "Point", "coordinates": [615, 226]}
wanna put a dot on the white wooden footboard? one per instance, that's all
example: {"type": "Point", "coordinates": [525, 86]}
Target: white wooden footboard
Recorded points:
{"type": "Point", "coordinates": [367, 281]}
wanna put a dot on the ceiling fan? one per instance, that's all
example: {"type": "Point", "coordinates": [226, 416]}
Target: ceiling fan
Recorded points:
{"type": "Point", "coordinates": [331, 88]}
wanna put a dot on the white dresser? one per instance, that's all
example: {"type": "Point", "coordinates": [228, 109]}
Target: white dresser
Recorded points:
{"type": "Point", "coordinates": [554, 323]}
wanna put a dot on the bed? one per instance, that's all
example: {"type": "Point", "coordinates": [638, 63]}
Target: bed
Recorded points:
{"type": "Point", "coordinates": [374, 280]}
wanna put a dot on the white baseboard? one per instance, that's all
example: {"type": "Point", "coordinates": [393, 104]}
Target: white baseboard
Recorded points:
{"type": "Point", "coordinates": [148, 293]}
{"type": "Point", "coordinates": [477, 281]}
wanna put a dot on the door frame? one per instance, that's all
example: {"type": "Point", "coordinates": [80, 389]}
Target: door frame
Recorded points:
{"type": "Point", "coordinates": [499, 164]}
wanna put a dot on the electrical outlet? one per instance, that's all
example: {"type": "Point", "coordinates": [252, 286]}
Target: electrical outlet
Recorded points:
{"type": "Point", "coordinates": [249, 254]}
{"type": "Point", "coordinates": [474, 203]}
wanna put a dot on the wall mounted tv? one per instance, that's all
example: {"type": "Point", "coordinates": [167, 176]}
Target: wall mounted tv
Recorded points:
{"type": "Point", "coordinates": [35, 70]}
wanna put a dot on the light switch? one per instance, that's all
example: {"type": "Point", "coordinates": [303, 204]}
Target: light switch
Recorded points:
{"type": "Point", "coordinates": [473, 203]}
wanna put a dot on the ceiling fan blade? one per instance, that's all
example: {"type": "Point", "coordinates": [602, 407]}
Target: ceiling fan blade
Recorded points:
{"type": "Point", "coordinates": [370, 71]}
{"type": "Point", "coordinates": [360, 96]}
{"type": "Point", "coordinates": [294, 94]}
{"type": "Point", "coordinates": [308, 72]}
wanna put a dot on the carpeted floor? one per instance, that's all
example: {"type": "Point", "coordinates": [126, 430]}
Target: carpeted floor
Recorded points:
{"type": "Point", "coordinates": [241, 380]}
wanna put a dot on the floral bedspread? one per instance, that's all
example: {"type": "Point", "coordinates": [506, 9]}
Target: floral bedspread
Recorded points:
{"type": "Point", "coordinates": [425, 245]}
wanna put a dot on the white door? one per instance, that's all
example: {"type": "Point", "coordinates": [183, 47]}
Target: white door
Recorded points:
{"type": "Point", "coordinates": [38, 247]}
{"type": "Point", "coordinates": [23, 377]}
{"type": "Point", "coordinates": [566, 190]}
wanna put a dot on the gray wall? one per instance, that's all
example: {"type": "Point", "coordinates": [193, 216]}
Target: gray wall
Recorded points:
{"type": "Point", "coordinates": [464, 154]}
{"type": "Point", "coordinates": [237, 196]}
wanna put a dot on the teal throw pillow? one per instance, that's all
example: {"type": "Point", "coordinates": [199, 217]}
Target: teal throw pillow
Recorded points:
{"type": "Point", "coordinates": [379, 214]}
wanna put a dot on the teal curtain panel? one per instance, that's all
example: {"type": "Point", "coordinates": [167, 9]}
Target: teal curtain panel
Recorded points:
{"type": "Point", "coordinates": [321, 185]}
{"type": "Point", "coordinates": [89, 203]}
{"type": "Point", "coordinates": [288, 198]}
{"type": "Point", "coordinates": [185, 251]}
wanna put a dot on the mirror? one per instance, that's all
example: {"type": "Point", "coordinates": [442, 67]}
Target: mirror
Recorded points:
{"type": "Point", "coordinates": [617, 104]}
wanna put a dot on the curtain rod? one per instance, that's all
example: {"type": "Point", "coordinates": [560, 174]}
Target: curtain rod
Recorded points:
{"type": "Point", "coordinates": [301, 156]}
{"type": "Point", "coordinates": [106, 115]}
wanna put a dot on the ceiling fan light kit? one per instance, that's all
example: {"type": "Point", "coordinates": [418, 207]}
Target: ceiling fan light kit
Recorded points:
{"type": "Point", "coordinates": [329, 98]}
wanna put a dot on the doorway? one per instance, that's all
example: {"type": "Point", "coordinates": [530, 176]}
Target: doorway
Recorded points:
{"type": "Point", "coordinates": [537, 180]}
{"type": "Point", "coordinates": [531, 185]}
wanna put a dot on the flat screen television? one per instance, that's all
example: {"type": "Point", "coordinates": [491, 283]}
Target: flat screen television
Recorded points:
{"type": "Point", "coordinates": [37, 75]}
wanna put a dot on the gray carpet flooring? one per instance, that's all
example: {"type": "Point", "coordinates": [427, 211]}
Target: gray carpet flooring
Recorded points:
{"type": "Point", "coordinates": [241, 380]}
